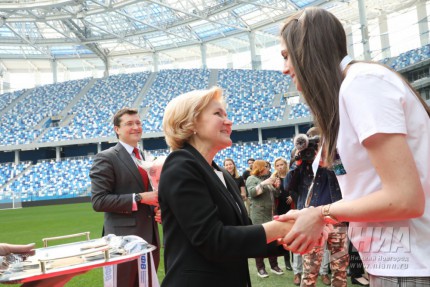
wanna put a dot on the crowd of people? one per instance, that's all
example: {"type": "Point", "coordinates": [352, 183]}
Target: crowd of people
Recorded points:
{"type": "Point", "coordinates": [368, 168]}
{"type": "Point", "coordinates": [271, 192]}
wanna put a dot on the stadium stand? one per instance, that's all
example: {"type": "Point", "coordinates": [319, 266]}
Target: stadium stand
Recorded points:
{"type": "Point", "coordinates": [250, 95]}
{"type": "Point", "coordinates": [69, 178]}
{"type": "Point", "coordinates": [8, 172]}
{"type": "Point", "coordinates": [169, 84]}
{"type": "Point", "coordinates": [268, 150]}
{"type": "Point", "coordinates": [253, 97]}
{"type": "Point", "coordinates": [93, 112]}
{"type": "Point", "coordinates": [299, 110]}
{"type": "Point", "coordinates": [49, 179]}
{"type": "Point", "coordinates": [23, 123]}
{"type": "Point", "coordinates": [411, 57]}
{"type": "Point", "coordinates": [240, 152]}
{"type": "Point", "coordinates": [7, 98]}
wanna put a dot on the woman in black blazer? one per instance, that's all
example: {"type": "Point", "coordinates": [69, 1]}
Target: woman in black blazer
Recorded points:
{"type": "Point", "coordinates": [208, 236]}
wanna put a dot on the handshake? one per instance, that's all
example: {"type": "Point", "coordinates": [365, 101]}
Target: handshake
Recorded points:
{"type": "Point", "coordinates": [299, 230]}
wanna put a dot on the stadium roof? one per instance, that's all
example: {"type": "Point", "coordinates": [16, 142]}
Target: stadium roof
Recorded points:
{"type": "Point", "coordinates": [81, 34]}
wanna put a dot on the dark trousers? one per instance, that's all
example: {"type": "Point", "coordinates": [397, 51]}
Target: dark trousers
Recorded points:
{"type": "Point", "coordinates": [259, 262]}
{"type": "Point", "coordinates": [287, 259]}
{"type": "Point", "coordinates": [355, 264]}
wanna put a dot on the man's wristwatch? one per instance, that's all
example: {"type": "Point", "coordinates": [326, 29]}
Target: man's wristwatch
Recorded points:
{"type": "Point", "coordinates": [327, 217]}
{"type": "Point", "coordinates": [137, 198]}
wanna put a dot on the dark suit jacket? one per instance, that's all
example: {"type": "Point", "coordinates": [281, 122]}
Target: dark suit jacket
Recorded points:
{"type": "Point", "coordinates": [207, 233]}
{"type": "Point", "coordinates": [114, 177]}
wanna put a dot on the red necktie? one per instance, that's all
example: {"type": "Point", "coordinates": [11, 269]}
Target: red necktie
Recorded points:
{"type": "Point", "coordinates": [142, 172]}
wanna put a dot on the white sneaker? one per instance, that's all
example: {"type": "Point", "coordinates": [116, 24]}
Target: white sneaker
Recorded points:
{"type": "Point", "coordinates": [277, 270]}
{"type": "Point", "coordinates": [262, 273]}
{"type": "Point", "coordinates": [360, 281]}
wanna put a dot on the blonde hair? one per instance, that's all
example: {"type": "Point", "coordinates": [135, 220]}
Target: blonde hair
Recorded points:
{"type": "Point", "coordinates": [313, 131]}
{"type": "Point", "coordinates": [276, 172]}
{"type": "Point", "coordinates": [182, 112]}
{"type": "Point", "coordinates": [278, 159]}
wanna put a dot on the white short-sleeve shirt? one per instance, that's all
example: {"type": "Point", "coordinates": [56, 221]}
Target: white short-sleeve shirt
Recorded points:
{"type": "Point", "coordinates": [372, 100]}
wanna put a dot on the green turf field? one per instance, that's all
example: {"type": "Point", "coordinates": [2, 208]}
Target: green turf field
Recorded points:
{"type": "Point", "coordinates": [28, 225]}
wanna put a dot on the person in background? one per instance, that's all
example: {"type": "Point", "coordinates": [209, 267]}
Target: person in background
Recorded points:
{"type": "Point", "coordinates": [323, 190]}
{"type": "Point", "coordinates": [263, 190]}
{"type": "Point", "coordinates": [296, 258]}
{"type": "Point", "coordinates": [247, 171]}
{"type": "Point", "coordinates": [376, 137]}
{"type": "Point", "coordinates": [121, 189]}
{"type": "Point", "coordinates": [324, 267]}
{"type": "Point", "coordinates": [208, 236]}
{"type": "Point", "coordinates": [284, 200]}
{"type": "Point", "coordinates": [291, 166]}
{"type": "Point", "coordinates": [269, 167]}
{"type": "Point", "coordinates": [245, 176]}
{"type": "Point", "coordinates": [230, 166]}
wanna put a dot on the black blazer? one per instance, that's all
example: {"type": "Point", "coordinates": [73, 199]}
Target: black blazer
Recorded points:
{"type": "Point", "coordinates": [208, 236]}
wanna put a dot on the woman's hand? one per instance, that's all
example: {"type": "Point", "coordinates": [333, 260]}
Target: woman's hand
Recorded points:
{"type": "Point", "coordinates": [6, 249]}
{"type": "Point", "coordinates": [289, 200]}
{"type": "Point", "coordinates": [308, 230]}
{"type": "Point", "coordinates": [270, 180]}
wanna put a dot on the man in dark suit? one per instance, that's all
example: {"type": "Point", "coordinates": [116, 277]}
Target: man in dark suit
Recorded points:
{"type": "Point", "coordinates": [124, 193]}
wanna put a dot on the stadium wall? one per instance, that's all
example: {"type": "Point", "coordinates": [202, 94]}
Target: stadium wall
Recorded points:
{"type": "Point", "coordinates": [49, 202]}
{"type": "Point", "coordinates": [56, 201]}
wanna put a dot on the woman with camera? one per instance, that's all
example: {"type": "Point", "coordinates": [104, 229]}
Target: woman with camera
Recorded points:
{"type": "Point", "coordinates": [317, 189]}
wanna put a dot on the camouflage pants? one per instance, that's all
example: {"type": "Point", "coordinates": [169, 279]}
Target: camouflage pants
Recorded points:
{"type": "Point", "coordinates": [337, 244]}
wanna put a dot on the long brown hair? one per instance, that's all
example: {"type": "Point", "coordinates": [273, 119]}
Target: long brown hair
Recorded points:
{"type": "Point", "coordinates": [316, 44]}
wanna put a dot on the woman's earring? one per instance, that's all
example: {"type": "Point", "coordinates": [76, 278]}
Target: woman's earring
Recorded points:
{"type": "Point", "coordinates": [195, 132]}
